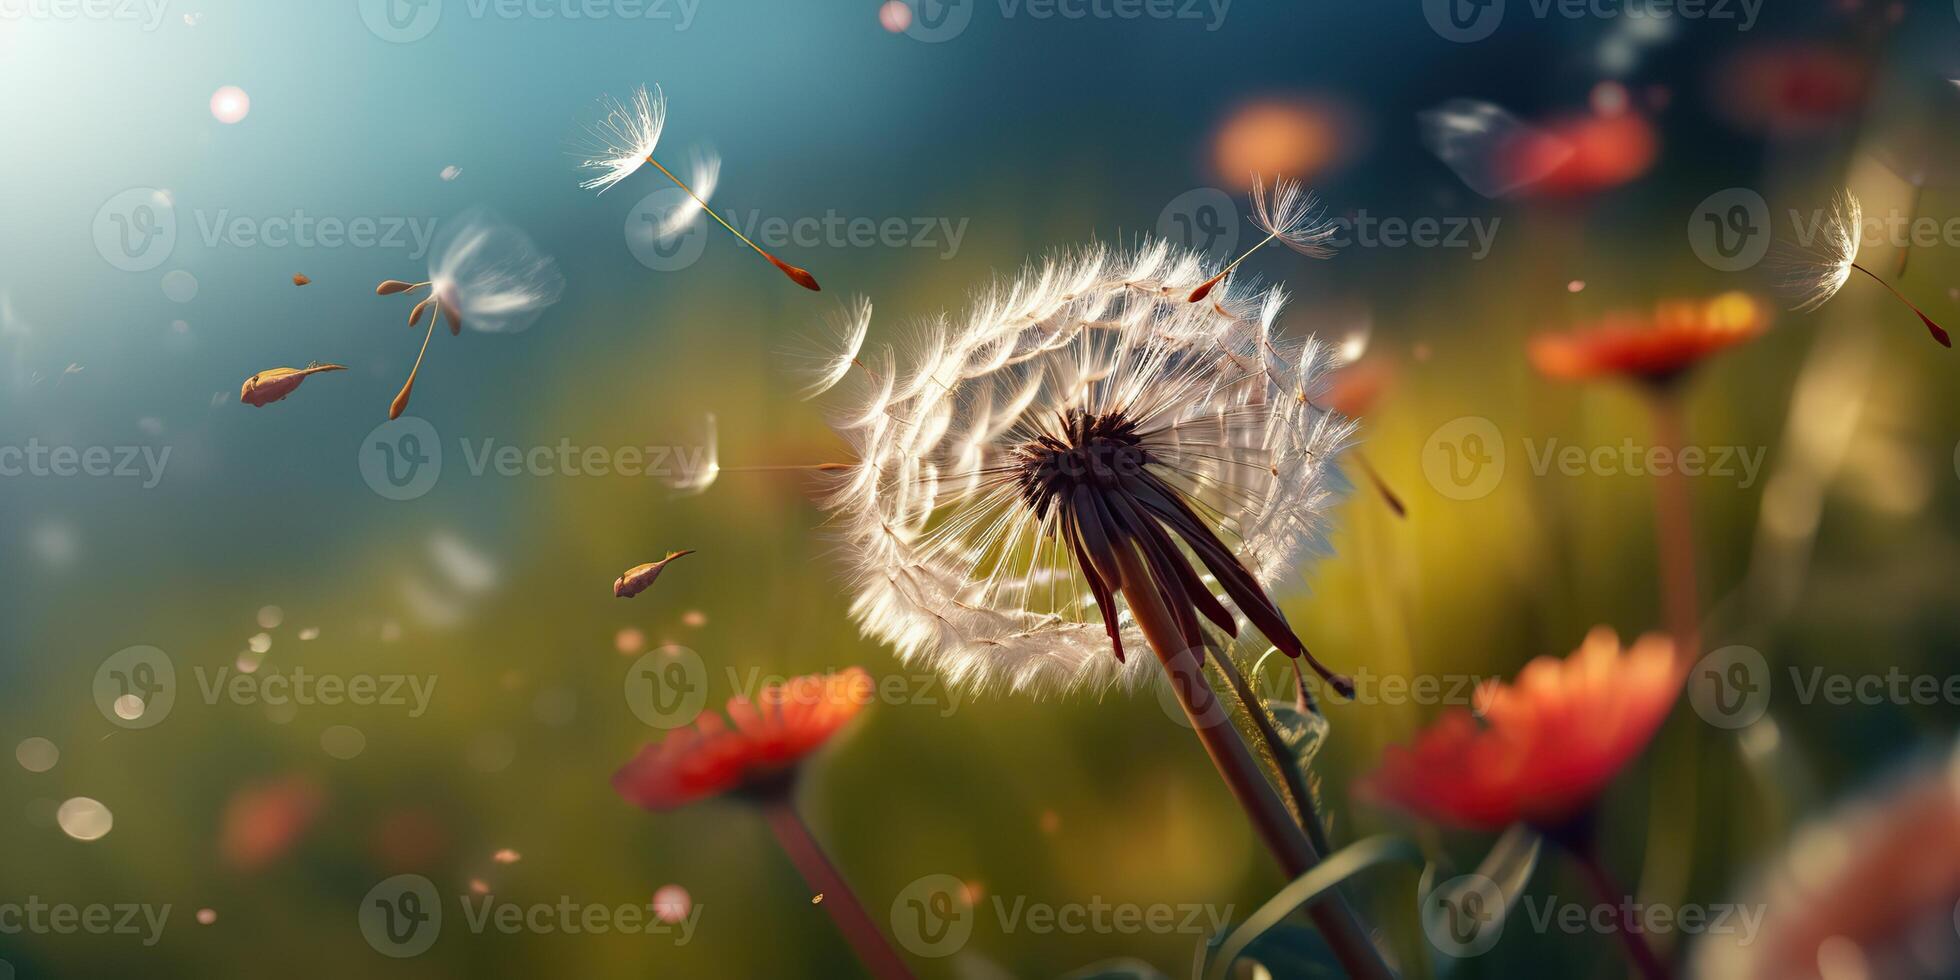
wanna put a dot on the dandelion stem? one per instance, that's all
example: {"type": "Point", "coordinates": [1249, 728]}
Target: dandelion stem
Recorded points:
{"type": "Point", "coordinates": [800, 276]}
{"type": "Point", "coordinates": [1337, 922]}
{"type": "Point", "coordinates": [1381, 486]}
{"type": "Point", "coordinates": [1295, 782]}
{"type": "Point", "coordinates": [1674, 530]}
{"type": "Point", "coordinates": [401, 400]}
{"type": "Point", "coordinates": [1939, 333]}
{"type": "Point", "coordinates": [1585, 854]}
{"type": "Point", "coordinates": [859, 929]}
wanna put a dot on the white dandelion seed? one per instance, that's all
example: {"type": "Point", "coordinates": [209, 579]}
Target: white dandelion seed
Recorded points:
{"type": "Point", "coordinates": [1080, 411]}
{"type": "Point", "coordinates": [623, 139]}
{"type": "Point", "coordinates": [1819, 272]}
{"type": "Point", "coordinates": [703, 177]}
{"type": "Point", "coordinates": [487, 274]}
{"type": "Point", "coordinates": [832, 358]}
{"type": "Point", "coordinates": [1291, 216]}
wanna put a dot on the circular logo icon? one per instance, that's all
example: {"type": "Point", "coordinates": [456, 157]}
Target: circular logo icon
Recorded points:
{"type": "Point", "coordinates": [1730, 230]}
{"type": "Point", "coordinates": [931, 916]}
{"type": "Point", "coordinates": [136, 687]}
{"type": "Point", "coordinates": [1730, 688]}
{"type": "Point", "coordinates": [1202, 219]}
{"type": "Point", "coordinates": [1463, 21]}
{"type": "Point", "coordinates": [1464, 458]}
{"type": "Point", "coordinates": [1464, 916]}
{"type": "Point", "coordinates": [934, 21]}
{"type": "Point", "coordinates": [664, 253]}
{"type": "Point", "coordinates": [401, 21]}
{"type": "Point", "coordinates": [1208, 709]}
{"type": "Point", "coordinates": [402, 917]}
{"type": "Point", "coordinates": [667, 687]}
{"type": "Point", "coordinates": [401, 459]}
{"type": "Point", "coordinates": [136, 230]}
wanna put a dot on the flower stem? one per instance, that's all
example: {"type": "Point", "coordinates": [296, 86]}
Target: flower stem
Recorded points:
{"type": "Point", "coordinates": [859, 929]}
{"type": "Point", "coordinates": [1585, 854]}
{"type": "Point", "coordinates": [1295, 782]}
{"type": "Point", "coordinates": [1674, 525]}
{"type": "Point", "coordinates": [1337, 922]}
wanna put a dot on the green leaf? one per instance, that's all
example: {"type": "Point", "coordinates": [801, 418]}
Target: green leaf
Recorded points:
{"type": "Point", "coordinates": [1338, 867]}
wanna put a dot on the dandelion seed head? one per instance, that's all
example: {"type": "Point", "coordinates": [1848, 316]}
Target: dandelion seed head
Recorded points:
{"type": "Point", "coordinates": [955, 565]}
{"type": "Point", "coordinates": [619, 143]}
{"type": "Point", "coordinates": [1816, 275]}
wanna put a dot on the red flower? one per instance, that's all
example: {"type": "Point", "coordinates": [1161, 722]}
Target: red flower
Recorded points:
{"type": "Point", "coordinates": [1581, 155]}
{"type": "Point", "coordinates": [1353, 390]}
{"type": "Point", "coordinates": [262, 822]}
{"type": "Point", "coordinates": [760, 752]}
{"type": "Point", "coordinates": [1541, 749]}
{"type": "Point", "coordinates": [1678, 335]}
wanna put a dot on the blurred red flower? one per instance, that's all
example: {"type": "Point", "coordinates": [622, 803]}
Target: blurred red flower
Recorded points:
{"type": "Point", "coordinates": [1581, 154]}
{"type": "Point", "coordinates": [263, 822]}
{"type": "Point", "coordinates": [769, 737]}
{"type": "Point", "coordinates": [1871, 891]}
{"type": "Point", "coordinates": [1353, 390]}
{"type": "Point", "coordinates": [1657, 348]}
{"type": "Point", "coordinates": [1539, 750]}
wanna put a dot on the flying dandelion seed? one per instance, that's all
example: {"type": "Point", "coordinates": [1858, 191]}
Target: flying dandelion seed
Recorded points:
{"type": "Point", "coordinates": [703, 177]}
{"type": "Point", "coordinates": [486, 274]}
{"type": "Point", "coordinates": [1077, 421]}
{"type": "Point", "coordinates": [1818, 275]}
{"type": "Point", "coordinates": [266, 387]}
{"type": "Point", "coordinates": [1291, 216]}
{"type": "Point", "coordinates": [833, 358]}
{"type": "Point", "coordinates": [640, 578]}
{"type": "Point", "coordinates": [693, 483]}
{"type": "Point", "coordinates": [622, 142]}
